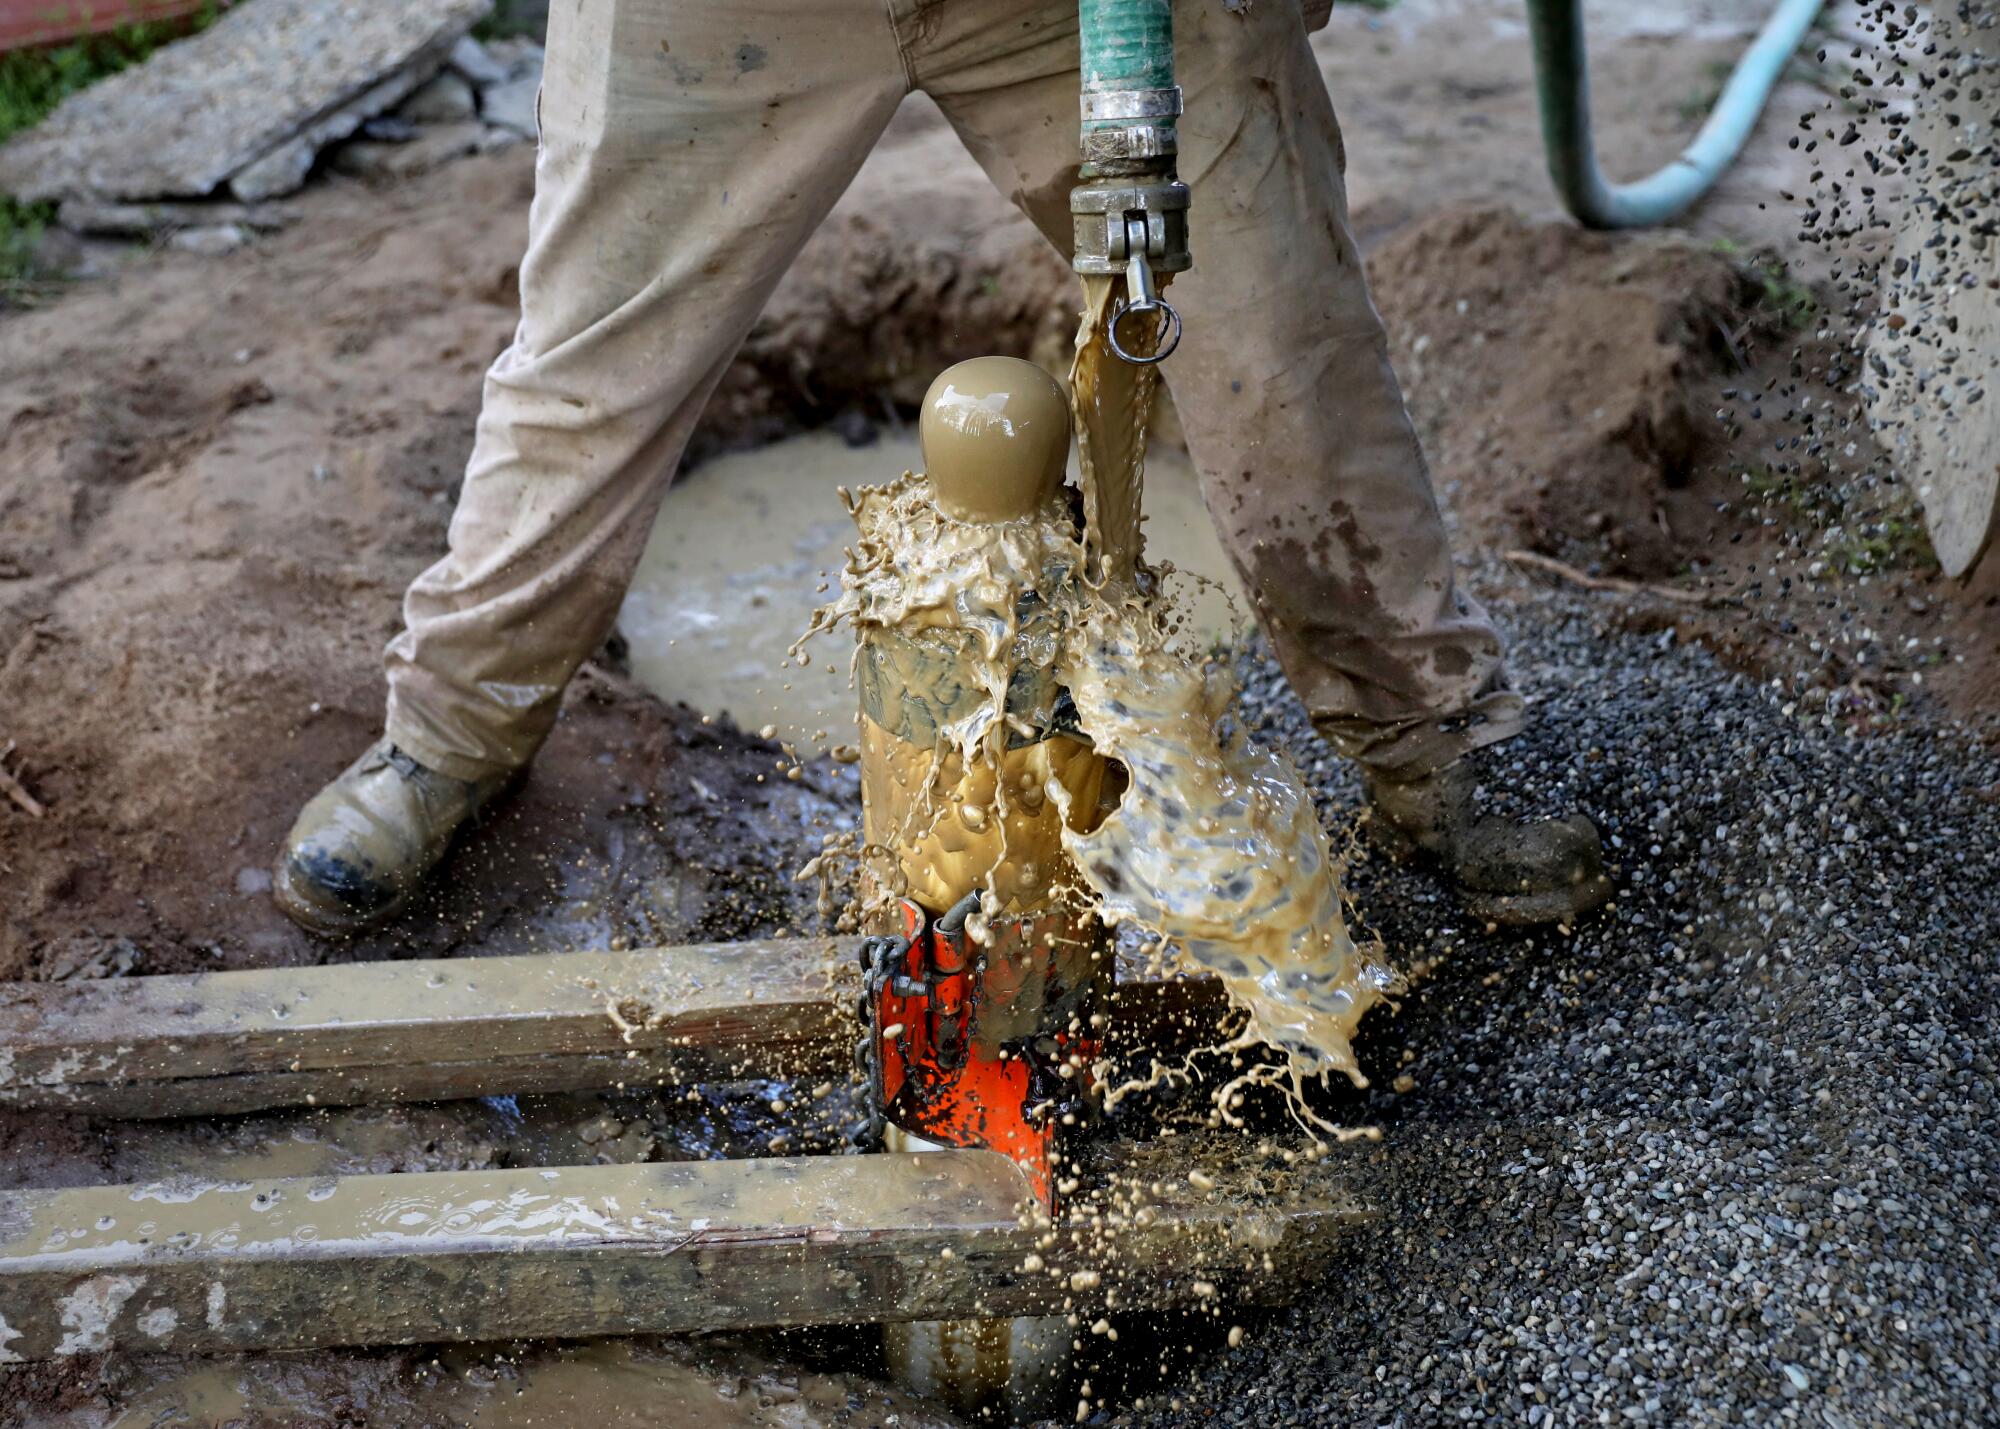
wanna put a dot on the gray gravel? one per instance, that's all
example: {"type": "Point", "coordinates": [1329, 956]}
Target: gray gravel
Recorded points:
{"type": "Point", "coordinates": [1725, 1156]}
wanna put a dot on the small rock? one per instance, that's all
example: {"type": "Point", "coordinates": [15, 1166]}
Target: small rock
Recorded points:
{"type": "Point", "coordinates": [512, 105]}
{"type": "Point", "coordinates": [281, 171]}
{"type": "Point", "coordinates": [444, 99]}
{"type": "Point", "coordinates": [251, 880]}
{"type": "Point", "coordinates": [211, 240]}
{"type": "Point", "coordinates": [364, 159]}
{"type": "Point", "coordinates": [518, 55]}
{"type": "Point", "coordinates": [470, 59]}
{"type": "Point", "coordinates": [388, 129]}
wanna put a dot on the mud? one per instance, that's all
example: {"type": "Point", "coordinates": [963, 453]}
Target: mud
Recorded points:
{"type": "Point", "coordinates": [622, 1384]}
{"type": "Point", "coordinates": [215, 479]}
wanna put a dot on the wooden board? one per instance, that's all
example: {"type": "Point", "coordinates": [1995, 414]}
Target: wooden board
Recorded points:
{"type": "Point", "coordinates": [25, 24]}
{"type": "Point", "coordinates": [221, 1043]}
{"type": "Point", "coordinates": [691, 1246]}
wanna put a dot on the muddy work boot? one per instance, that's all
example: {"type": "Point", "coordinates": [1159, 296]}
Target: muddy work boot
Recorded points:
{"type": "Point", "coordinates": [1507, 869]}
{"type": "Point", "coordinates": [366, 841]}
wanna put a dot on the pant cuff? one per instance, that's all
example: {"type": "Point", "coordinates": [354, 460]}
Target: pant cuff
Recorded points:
{"type": "Point", "coordinates": [412, 739]}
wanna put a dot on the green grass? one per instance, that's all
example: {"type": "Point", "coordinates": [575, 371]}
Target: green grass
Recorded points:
{"type": "Point", "coordinates": [511, 18]}
{"type": "Point", "coordinates": [32, 84]}
{"type": "Point", "coordinates": [1696, 104]}
{"type": "Point", "coordinates": [1782, 298]}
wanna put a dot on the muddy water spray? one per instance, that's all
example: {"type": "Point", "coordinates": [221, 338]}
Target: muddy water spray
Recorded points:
{"type": "Point", "coordinates": [1211, 845]}
{"type": "Point", "coordinates": [1214, 845]}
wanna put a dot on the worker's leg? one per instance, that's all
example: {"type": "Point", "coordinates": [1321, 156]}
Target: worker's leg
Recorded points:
{"type": "Point", "coordinates": [687, 152]}
{"type": "Point", "coordinates": [1308, 461]}
{"type": "Point", "coordinates": [1307, 458]}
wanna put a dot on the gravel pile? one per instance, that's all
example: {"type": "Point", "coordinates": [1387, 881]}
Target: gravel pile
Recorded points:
{"type": "Point", "coordinates": [1725, 1156]}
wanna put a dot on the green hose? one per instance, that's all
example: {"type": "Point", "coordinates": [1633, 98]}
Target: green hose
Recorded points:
{"type": "Point", "coordinates": [1129, 208]}
{"type": "Point", "coordinates": [1126, 44]}
{"type": "Point", "coordinates": [1562, 80]}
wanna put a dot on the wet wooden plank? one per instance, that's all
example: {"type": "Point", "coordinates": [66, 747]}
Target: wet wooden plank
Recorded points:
{"type": "Point", "coordinates": [302, 1263]}
{"type": "Point", "coordinates": [228, 1042]}
{"type": "Point", "coordinates": [398, 1031]}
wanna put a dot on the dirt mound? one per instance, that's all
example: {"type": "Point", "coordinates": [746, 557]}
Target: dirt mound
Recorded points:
{"type": "Point", "coordinates": [1564, 381]}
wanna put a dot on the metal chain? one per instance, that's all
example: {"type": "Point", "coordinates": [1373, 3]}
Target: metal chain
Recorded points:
{"type": "Point", "coordinates": [880, 956]}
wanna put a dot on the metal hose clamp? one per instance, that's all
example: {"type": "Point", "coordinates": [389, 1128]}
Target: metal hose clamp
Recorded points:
{"type": "Point", "coordinates": [1102, 106]}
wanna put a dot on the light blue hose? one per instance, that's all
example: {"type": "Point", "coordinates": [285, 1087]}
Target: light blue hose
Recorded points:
{"type": "Point", "coordinates": [1562, 80]}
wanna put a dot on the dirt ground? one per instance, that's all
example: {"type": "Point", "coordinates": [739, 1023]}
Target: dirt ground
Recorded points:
{"type": "Point", "coordinates": [217, 475]}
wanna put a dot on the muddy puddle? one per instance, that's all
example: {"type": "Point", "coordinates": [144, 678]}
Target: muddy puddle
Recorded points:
{"type": "Point", "coordinates": [695, 1121]}
{"type": "Point", "coordinates": [613, 1384]}
{"type": "Point", "coordinates": [742, 545]}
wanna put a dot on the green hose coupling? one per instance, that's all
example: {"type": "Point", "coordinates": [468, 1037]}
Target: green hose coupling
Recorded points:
{"type": "Point", "coordinates": [1125, 44]}
{"type": "Point", "coordinates": [1130, 211]}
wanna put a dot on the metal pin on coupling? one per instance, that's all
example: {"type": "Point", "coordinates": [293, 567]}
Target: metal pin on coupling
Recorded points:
{"type": "Point", "coordinates": [1143, 298]}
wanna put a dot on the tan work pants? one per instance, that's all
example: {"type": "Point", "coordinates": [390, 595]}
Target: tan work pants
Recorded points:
{"type": "Point", "coordinates": [687, 152]}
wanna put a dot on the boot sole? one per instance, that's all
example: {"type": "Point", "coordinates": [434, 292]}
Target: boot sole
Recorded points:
{"type": "Point", "coordinates": [1555, 905]}
{"type": "Point", "coordinates": [316, 918]}
{"type": "Point", "coordinates": [1514, 910]}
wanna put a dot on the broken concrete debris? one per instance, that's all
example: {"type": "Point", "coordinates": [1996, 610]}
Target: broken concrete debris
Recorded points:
{"type": "Point", "coordinates": [484, 99]}
{"type": "Point", "coordinates": [425, 150]}
{"type": "Point", "coordinates": [283, 170]}
{"type": "Point", "coordinates": [446, 98]}
{"type": "Point", "coordinates": [512, 84]}
{"type": "Point", "coordinates": [472, 60]}
{"type": "Point", "coordinates": [255, 101]}
{"type": "Point", "coordinates": [512, 105]}
{"type": "Point", "coordinates": [245, 104]}
{"type": "Point", "coordinates": [141, 220]}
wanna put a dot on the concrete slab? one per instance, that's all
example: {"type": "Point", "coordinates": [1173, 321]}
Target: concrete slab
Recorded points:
{"type": "Point", "coordinates": [260, 90]}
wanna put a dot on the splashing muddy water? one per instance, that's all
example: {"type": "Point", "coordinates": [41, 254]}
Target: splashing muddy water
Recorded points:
{"type": "Point", "coordinates": [727, 579]}
{"type": "Point", "coordinates": [1203, 842]}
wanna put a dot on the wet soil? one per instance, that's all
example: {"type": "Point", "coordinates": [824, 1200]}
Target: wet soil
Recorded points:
{"type": "Point", "coordinates": [216, 477]}
{"type": "Point", "coordinates": [613, 1384]}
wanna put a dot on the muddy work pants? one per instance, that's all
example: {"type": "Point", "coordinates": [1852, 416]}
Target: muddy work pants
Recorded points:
{"type": "Point", "coordinates": [687, 152]}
